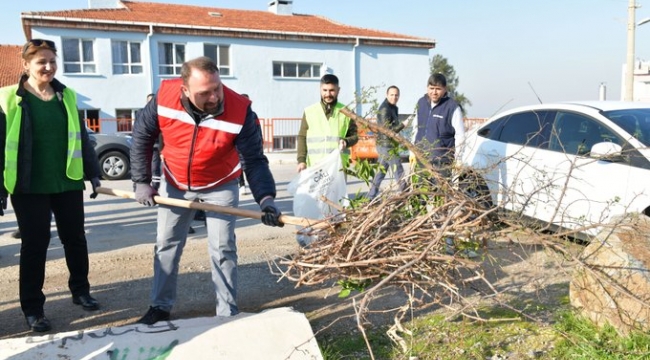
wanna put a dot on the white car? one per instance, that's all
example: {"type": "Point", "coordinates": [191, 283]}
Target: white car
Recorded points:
{"type": "Point", "coordinates": [574, 165]}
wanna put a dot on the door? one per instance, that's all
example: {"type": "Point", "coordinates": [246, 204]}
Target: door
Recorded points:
{"type": "Point", "coordinates": [522, 178]}
{"type": "Point", "coordinates": [584, 191]}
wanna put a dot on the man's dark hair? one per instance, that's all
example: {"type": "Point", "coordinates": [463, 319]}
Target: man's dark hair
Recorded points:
{"type": "Point", "coordinates": [329, 79]}
{"type": "Point", "coordinates": [392, 87]}
{"type": "Point", "coordinates": [437, 79]}
{"type": "Point", "coordinates": [202, 63]}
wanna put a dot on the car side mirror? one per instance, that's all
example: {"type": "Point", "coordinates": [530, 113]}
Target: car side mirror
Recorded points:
{"type": "Point", "coordinates": [607, 151]}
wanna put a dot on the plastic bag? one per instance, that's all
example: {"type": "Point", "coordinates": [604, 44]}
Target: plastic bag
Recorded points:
{"type": "Point", "coordinates": [324, 178]}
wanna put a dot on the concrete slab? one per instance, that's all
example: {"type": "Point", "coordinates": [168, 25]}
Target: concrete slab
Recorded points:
{"type": "Point", "coordinates": [273, 334]}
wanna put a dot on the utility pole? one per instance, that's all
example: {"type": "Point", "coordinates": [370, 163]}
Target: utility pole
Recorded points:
{"type": "Point", "coordinates": [629, 68]}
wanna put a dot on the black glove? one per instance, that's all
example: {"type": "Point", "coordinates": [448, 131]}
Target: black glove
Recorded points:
{"type": "Point", "coordinates": [3, 204]}
{"type": "Point", "coordinates": [271, 216]}
{"type": "Point", "coordinates": [144, 194]}
{"type": "Point", "coordinates": [94, 182]}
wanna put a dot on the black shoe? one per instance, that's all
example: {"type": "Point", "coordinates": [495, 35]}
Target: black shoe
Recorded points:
{"type": "Point", "coordinates": [191, 230]}
{"type": "Point", "coordinates": [86, 301]}
{"type": "Point", "coordinates": [38, 323]}
{"type": "Point", "coordinates": [153, 315]}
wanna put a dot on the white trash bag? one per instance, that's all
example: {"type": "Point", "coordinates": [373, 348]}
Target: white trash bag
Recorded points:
{"type": "Point", "coordinates": [324, 178]}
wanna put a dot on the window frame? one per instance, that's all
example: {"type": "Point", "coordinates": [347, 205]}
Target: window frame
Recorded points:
{"type": "Point", "coordinates": [560, 144]}
{"type": "Point", "coordinates": [82, 63]}
{"type": "Point", "coordinates": [224, 70]}
{"type": "Point", "coordinates": [130, 65]}
{"type": "Point", "coordinates": [92, 122]}
{"type": "Point", "coordinates": [538, 139]}
{"type": "Point", "coordinates": [294, 70]}
{"type": "Point", "coordinates": [175, 66]}
{"type": "Point", "coordinates": [125, 123]}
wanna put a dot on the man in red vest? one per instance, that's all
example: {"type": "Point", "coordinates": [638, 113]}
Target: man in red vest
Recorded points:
{"type": "Point", "coordinates": [203, 125]}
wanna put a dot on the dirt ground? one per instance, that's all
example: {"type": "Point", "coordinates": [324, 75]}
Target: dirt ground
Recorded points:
{"type": "Point", "coordinates": [121, 280]}
{"type": "Point", "coordinates": [121, 234]}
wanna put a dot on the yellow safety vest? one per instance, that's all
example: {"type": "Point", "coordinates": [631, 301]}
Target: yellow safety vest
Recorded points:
{"type": "Point", "coordinates": [324, 133]}
{"type": "Point", "coordinates": [13, 113]}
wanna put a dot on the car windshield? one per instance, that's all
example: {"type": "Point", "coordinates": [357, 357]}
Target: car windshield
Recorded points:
{"type": "Point", "coordinates": [634, 121]}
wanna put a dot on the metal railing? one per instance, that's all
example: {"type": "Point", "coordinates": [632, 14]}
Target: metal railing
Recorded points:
{"type": "Point", "coordinates": [273, 129]}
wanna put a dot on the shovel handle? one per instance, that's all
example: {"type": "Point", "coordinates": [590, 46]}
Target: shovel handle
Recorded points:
{"type": "Point", "coordinates": [285, 219]}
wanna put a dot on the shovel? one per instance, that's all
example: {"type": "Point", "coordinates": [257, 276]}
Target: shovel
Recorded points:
{"type": "Point", "coordinates": [285, 219]}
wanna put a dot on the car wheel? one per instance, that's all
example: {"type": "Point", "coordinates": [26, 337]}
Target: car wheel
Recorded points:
{"type": "Point", "coordinates": [114, 165]}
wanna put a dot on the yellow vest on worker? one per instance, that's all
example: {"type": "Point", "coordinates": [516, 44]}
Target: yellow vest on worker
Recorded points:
{"type": "Point", "coordinates": [13, 113]}
{"type": "Point", "coordinates": [324, 133]}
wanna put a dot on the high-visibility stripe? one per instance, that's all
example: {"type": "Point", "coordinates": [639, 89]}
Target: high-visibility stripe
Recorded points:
{"type": "Point", "coordinates": [175, 114]}
{"type": "Point", "coordinates": [221, 125]}
{"type": "Point", "coordinates": [320, 139]}
{"type": "Point", "coordinates": [208, 122]}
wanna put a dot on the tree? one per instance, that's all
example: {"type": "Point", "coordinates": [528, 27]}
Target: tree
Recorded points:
{"type": "Point", "coordinates": [439, 64]}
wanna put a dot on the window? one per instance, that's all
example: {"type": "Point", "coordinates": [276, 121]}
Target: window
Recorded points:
{"type": "Point", "coordinates": [635, 121]}
{"type": "Point", "coordinates": [576, 134]}
{"type": "Point", "coordinates": [296, 70]}
{"type": "Point", "coordinates": [126, 57]}
{"type": "Point", "coordinates": [220, 54]}
{"type": "Point", "coordinates": [284, 142]}
{"type": "Point", "coordinates": [92, 118]}
{"type": "Point", "coordinates": [125, 113]}
{"type": "Point", "coordinates": [171, 57]}
{"type": "Point", "coordinates": [78, 56]}
{"type": "Point", "coordinates": [530, 128]}
{"type": "Point", "coordinates": [125, 118]}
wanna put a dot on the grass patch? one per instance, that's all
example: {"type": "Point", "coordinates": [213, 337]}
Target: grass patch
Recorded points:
{"type": "Point", "coordinates": [353, 346]}
{"type": "Point", "coordinates": [438, 338]}
{"type": "Point", "coordinates": [583, 340]}
{"type": "Point", "coordinates": [435, 337]}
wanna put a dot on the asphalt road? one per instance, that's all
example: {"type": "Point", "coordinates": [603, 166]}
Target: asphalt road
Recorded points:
{"type": "Point", "coordinates": [113, 222]}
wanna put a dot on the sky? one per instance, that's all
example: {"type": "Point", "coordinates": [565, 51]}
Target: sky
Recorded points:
{"type": "Point", "coordinates": [506, 53]}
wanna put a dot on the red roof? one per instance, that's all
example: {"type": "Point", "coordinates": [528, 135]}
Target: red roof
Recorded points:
{"type": "Point", "coordinates": [10, 64]}
{"type": "Point", "coordinates": [190, 19]}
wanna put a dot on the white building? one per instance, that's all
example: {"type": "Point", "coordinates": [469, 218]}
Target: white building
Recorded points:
{"type": "Point", "coordinates": [641, 88]}
{"type": "Point", "coordinates": [116, 52]}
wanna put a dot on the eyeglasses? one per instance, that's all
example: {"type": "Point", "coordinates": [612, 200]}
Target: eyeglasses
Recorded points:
{"type": "Point", "coordinates": [38, 43]}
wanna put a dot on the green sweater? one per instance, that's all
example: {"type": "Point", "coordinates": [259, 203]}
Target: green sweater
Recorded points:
{"type": "Point", "coordinates": [49, 152]}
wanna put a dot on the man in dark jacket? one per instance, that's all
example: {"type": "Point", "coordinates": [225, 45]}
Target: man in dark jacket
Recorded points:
{"type": "Point", "coordinates": [203, 125]}
{"type": "Point", "coordinates": [388, 117]}
{"type": "Point", "coordinates": [439, 133]}
{"type": "Point", "coordinates": [439, 129]}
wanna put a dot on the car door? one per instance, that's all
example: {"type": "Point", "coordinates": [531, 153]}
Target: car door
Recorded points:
{"type": "Point", "coordinates": [584, 191]}
{"type": "Point", "coordinates": [525, 136]}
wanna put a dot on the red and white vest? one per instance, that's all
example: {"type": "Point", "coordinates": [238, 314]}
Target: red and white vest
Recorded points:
{"type": "Point", "coordinates": [199, 156]}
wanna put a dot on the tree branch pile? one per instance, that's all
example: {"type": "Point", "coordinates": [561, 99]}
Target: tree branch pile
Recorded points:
{"type": "Point", "coordinates": [397, 239]}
